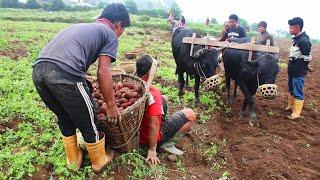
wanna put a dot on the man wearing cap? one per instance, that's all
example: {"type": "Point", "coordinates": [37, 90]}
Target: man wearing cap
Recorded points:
{"type": "Point", "coordinates": [264, 34]}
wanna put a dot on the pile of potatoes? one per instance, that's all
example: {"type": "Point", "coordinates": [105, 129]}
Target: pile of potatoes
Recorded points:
{"type": "Point", "coordinates": [126, 94]}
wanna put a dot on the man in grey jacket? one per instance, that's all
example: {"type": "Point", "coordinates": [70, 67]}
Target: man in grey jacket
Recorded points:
{"type": "Point", "coordinates": [264, 35]}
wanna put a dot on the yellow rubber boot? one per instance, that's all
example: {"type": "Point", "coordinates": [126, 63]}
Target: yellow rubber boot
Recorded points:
{"type": "Point", "coordinates": [98, 155]}
{"type": "Point", "coordinates": [297, 108]}
{"type": "Point", "coordinates": [73, 152]}
{"type": "Point", "coordinates": [290, 102]}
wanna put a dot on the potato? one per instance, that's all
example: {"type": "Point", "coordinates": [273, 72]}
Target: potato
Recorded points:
{"type": "Point", "coordinates": [124, 105]}
{"type": "Point", "coordinates": [123, 100]}
{"type": "Point", "coordinates": [137, 88]}
{"type": "Point", "coordinates": [95, 99]}
{"type": "Point", "coordinates": [124, 89]}
{"type": "Point", "coordinates": [128, 84]}
{"type": "Point", "coordinates": [119, 96]}
{"type": "Point", "coordinates": [101, 116]}
{"type": "Point", "coordinates": [117, 103]}
{"type": "Point", "coordinates": [120, 109]}
{"type": "Point", "coordinates": [96, 95]}
{"type": "Point", "coordinates": [100, 102]}
{"type": "Point", "coordinates": [135, 95]}
{"type": "Point", "coordinates": [127, 95]}
{"type": "Point", "coordinates": [129, 103]}
{"type": "Point", "coordinates": [103, 109]}
{"type": "Point", "coordinates": [131, 94]}
{"type": "Point", "coordinates": [118, 86]}
{"type": "Point", "coordinates": [133, 100]}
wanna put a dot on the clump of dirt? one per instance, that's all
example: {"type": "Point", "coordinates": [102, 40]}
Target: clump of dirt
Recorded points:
{"type": "Point", "coordinates": [42, 172]}
{"type": "Point", "coordinates": [11, 124]}
{"type": "Point", "coordinates": [15, 50]}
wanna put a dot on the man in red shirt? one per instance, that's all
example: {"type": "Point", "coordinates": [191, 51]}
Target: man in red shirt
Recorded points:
{"type": "Point", "coordinates": [157, 128]}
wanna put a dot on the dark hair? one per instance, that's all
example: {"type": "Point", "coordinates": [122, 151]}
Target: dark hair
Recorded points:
{"type": "Point", "coordinates": [296, 21]}
{"type": "Point", "coordinates": [116, 12]}
{"type": "Point", "coordinates": [234, 17]}
{"type": "Point", "coordinates": [143, 65]}
{"type": "Point", "coordinates": [263, 24]}
{"type": "Point", "coordinates": [183, 20]}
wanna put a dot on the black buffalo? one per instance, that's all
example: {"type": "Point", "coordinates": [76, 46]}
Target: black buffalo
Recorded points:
{"type": "Point", "coordinates": [263, 69]}
{"type": "Point", "coordinates": [202, 64]}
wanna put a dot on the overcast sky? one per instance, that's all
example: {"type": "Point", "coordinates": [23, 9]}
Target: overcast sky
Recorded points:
{"type": "Point", "coordinates": [275, 12]}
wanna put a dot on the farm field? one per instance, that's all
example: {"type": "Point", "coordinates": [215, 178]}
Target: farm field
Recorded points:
{"type": "Point", "coordinates": [220, 145]}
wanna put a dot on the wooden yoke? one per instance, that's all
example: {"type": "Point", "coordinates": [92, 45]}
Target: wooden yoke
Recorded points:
{"type": "Point", "coordinates": [245, 46]}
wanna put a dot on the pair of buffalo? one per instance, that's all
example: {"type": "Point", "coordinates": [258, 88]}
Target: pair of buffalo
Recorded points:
{"type": "Point", "coordinates": [203, 63]}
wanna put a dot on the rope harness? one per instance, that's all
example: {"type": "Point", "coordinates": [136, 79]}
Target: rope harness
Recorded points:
{"type": "Point", "coordinates": [209, 82]}
{"type": "Point", "coordinates": [200, 72]}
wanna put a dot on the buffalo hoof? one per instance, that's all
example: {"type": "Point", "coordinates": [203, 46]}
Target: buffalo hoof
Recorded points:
{"type": "Point", "coordinates": [242, 114]}
{"type": "Point", "coordinates": [233, 97]}
{"type": "Point", "coordinates": [181, 93]}
{"type": "Point", "coordinates": [230, 100]}
{"type": "Point", "coordinates": [253, 120]}
{"type": "Point", "coordinates": [197, 102]}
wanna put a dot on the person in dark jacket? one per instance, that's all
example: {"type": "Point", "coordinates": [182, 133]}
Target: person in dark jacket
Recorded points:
{"type": "Point", "coordinates": [234, 32]}
{"type": "Point", "coordinates": [264, 35]}
{"type": "Point", "coordinates": [299, 59]}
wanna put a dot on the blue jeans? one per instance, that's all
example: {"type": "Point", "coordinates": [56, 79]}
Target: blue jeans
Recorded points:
{"type": "Point", "coordinates": [296, 85]}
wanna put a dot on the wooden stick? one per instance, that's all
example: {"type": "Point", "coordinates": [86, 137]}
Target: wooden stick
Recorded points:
{"type": "Point", "coordinates": [245, 46]}
{"type": "Point", "coordinates": [268, 42]}
{"type": "Point", "coordinates": [192, 44]}
{"type": "Point", "coordinates": [207, 38]}
{"type": "Point", "coordinates": [253, 40]}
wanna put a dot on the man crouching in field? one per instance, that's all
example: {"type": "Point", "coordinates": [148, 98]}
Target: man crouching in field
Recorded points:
{"type": "Point", "coordinates": [59, 77]}
{"type": "Point", "coordinates": [157, 128]}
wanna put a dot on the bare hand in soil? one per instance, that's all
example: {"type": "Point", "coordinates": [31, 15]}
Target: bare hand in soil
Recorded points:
{"type": "Point", "coordinates": [152, 156]}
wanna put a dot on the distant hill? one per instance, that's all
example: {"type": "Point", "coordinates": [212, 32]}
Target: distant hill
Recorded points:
{"type": "Point", "coordinates": [149, 4]}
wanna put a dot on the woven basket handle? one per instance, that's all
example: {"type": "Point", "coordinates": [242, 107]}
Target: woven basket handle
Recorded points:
{"type": "Point", "coordinates": [152, 74]}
